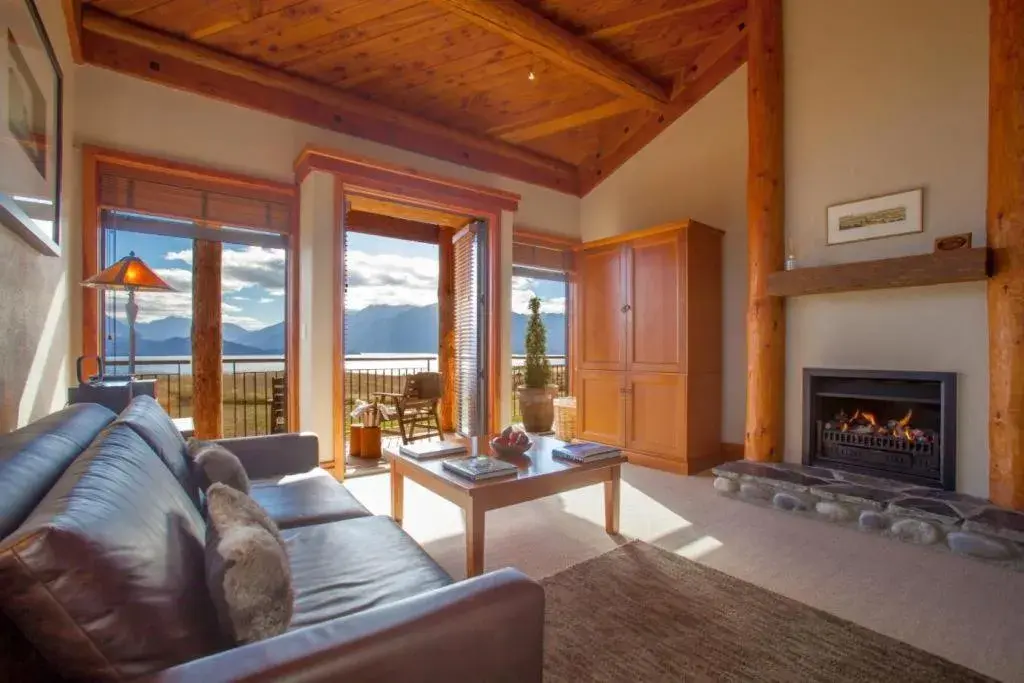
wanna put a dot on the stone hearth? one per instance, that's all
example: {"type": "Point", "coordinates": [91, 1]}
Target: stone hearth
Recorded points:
{"type": "Point", "coordinates": [962, 524]}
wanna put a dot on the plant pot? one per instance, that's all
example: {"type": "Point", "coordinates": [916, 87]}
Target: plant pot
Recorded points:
{"type": "Point", "coordinates": [537, 407]}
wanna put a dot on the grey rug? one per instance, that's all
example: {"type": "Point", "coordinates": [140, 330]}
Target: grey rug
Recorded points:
{"type": "Point", "coordinates": [640, 613]}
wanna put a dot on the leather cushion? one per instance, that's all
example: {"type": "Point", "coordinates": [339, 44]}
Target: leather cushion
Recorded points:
{"type": "Point", "coordinates": [107, 576]}
{"type": "Point", "coordinates": [247, 569]}
{"type": "Point", "coordinates": [346, 567]}
{"type": "Point", "coordinates": [34, 457]}
{"type": "Point", "coordinates": [148, 419]}
{"type": "Point", "coordinates": [212, 464]}
{"type": "Point", "coordinates": [313, 497]}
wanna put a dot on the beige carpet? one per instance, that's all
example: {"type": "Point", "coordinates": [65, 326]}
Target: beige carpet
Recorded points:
{"type": "Point", "coordinates": [640, 613]}
{"type": "Point", "coordinates": [963, 610]}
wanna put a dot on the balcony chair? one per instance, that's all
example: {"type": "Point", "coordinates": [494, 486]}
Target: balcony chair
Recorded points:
{"type": "Point", "coordinates": [417, 406]}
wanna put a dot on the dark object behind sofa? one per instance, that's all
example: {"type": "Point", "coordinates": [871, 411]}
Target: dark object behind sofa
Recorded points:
{"type": "Point", "coordinates": [370, 604]}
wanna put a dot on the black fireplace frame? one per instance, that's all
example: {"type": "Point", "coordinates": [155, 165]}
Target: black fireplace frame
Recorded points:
{"type": "Point", "coordinates": [948, 416]}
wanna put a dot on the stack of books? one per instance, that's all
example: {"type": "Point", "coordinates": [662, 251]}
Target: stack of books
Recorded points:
{"type": "Point", "coordinates": [585, 451]}
{"type": "Point", "coordinates": [431, 449]}
{"type": "Point", "coordinates": [479, 467]}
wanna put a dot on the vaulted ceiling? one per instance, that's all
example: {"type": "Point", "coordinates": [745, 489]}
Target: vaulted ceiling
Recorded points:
{"type": "Point", "coordinates": [554, 92]}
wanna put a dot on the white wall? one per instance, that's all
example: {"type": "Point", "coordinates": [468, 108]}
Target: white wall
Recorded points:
{"type": "Point", "coordinates": [697, 168]}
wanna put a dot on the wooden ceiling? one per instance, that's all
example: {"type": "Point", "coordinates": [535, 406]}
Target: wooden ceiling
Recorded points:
{"type": "Point", "coordinates": [446, 78]}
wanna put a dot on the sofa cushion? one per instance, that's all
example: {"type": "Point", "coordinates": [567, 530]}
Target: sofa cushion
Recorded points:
{"type": "Point", "coordinates": [313, 497]}
{"type": "Point", "coordinates": [34, 457]}
{"type": "Point", "coordinates": [346, 567]}
{"type": "Point", "coordinates": [148, 419]}
{"type": "Point", "coordinates": [107, 575]}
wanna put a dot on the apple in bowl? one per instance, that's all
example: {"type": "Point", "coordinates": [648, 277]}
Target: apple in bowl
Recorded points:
{"type": "Point", "coordinates": [511, 441]}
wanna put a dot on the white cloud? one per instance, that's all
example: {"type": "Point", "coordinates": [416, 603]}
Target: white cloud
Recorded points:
{"type": "Point", "coordinates": [266, 300]}
{"type": "Point", "coordinates": [240, 298]}
{"type": "Point", "coordinates": [521, 302]}
{"type": "Point", "coordinates": [246, 267]}
{"type": "Point", "coordinates": [391, 280]}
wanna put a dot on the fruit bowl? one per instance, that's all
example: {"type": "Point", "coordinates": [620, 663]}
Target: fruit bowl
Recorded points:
{"type": "Point", "coordinates": [506, 449]}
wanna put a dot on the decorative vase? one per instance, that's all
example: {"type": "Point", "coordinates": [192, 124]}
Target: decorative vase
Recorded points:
{"type": "Point", "coordinates": [537, 407]}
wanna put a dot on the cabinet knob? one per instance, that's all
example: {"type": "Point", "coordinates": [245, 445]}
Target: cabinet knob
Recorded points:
{"type": "Point", "coordinates": [626, 308]}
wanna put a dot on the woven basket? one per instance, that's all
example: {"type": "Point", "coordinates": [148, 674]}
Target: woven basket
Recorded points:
{"type": "Point", "coordinates": [565, 418]}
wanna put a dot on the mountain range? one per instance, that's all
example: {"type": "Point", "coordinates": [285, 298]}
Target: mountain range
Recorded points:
{"type": "Point", "coordinates": [374, 329]}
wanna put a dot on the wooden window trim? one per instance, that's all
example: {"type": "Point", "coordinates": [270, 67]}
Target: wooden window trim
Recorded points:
{"type": "Point", "coordinates": [96, 160]}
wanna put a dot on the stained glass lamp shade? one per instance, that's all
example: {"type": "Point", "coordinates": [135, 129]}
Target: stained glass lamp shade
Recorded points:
{"type": "Point", "coordinates": [131, 275]}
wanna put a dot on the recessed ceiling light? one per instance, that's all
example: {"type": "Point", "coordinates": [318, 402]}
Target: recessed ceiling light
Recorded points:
{"type": "Point", "coordinates": [532, 76]}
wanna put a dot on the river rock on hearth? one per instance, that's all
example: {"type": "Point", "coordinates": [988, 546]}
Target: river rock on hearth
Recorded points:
{"type": "Point", "coordinates": [915, 531]}
{"type": "Point", "coordinates": [976, 545]}
{"type": "Point", "coordinates": [752, 491]}
{"type": "Point", "coordinates": [723, 485]}
{"type": "Point", "coordinates": [793, 502]}
{"type": "Point", "coordinates": [835, 512]}
{"type": "Point", "coordinates": [871, 520]}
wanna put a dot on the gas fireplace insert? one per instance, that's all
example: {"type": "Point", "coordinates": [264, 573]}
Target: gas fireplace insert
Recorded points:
{"type": "Point", "coordinates": [895, 424]}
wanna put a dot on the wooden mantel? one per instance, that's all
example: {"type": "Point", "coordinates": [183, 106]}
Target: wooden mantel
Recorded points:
{"type": "Point", "coordinates": [962, 265]}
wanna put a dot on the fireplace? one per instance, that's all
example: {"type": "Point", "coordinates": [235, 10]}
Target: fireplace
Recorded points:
{"type": "Point", "coordinates": [898, 425]}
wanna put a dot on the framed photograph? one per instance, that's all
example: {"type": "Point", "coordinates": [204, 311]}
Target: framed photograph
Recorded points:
{"type": "Point", "coordinates": [868, 219]}
{"type": "Point", "coordinates": [30, 127]}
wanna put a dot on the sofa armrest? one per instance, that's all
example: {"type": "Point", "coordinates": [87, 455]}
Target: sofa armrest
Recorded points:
{"type": "Point", "coordinates": [490, 628]}
{"type": "Point", "coordinates": [275, 455]}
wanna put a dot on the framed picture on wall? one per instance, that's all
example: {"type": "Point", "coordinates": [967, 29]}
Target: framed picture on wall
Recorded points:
{"type": "Point", "coordinates": [868, 219]}
{"type": "Point", "coordinates": [30, 127]}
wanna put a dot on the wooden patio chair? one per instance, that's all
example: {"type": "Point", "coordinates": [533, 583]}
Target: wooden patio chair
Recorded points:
{"type": "Point", "coordinates": [417, 406]}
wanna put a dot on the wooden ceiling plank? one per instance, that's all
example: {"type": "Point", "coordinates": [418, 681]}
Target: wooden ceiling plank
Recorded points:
{"type": "Point", "coordinates": [248, 12]}
{"type": "Point", "coordinates": [574, 120]}
{"type": "Point", "coordinates": [711, 56]}
{"type": "Point", "coordinates": [558, 46]}
{"type": "Point", "coordinates": [132, 49]}
{"type": "Point", "coordinates": [627, 20]}
{"type": "Point", "coordinates": [73, 18]}
{"type": "Point", "coordinates": [128, 8]}
{"type": "Point", "coordinates": [270, 24]}
{"type": "Point", "coordinates": [731, 50]}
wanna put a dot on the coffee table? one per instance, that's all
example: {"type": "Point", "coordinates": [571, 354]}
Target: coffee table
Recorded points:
{"type": "Point", "coordinates": [540, 475]}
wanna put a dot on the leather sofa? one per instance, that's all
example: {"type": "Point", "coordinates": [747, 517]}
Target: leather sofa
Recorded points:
{"type": "Point", "coordinates": [102, 569]}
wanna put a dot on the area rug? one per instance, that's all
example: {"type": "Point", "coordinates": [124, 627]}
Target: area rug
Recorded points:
{"type": "Point", "coordinates": [640, 613]}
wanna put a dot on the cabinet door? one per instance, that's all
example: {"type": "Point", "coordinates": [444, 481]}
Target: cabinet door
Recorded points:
{"type": "Point", "coordinates": [656, 312]}
{"type": "Point", "coordinates": [600, 408]}
{"type": "Point", "coordinates": [656, 414]}
{"type": "Point", "coordinates": [602, 300]}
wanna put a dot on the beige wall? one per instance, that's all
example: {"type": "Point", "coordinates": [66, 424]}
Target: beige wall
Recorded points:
{"type": "Point", "coordinates": [34, 289]}
{"type": "Point", "coordinates": [881, 96]}
{"type": "Point", "coordinates": [697, 169]}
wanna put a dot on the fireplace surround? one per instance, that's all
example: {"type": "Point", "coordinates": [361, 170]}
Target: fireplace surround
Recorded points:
{"type": "Point", "coordinates": [893, 424]}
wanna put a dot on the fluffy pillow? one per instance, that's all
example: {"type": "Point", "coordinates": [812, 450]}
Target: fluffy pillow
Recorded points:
{"type": "Point", "coordinates": [213, 463]}
{"type": "Point", "coordinates": [247, 572]}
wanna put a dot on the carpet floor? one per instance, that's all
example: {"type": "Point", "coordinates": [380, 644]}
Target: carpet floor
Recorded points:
{"type": "Point", "coordinates": [640, 613]}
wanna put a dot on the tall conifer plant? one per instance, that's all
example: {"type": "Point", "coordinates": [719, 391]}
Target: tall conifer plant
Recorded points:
{"type": "Point", "coordinates": [538, 369]}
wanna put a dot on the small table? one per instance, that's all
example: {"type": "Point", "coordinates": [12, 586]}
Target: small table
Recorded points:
{"type": "Point", "coordinates": [540, 475]}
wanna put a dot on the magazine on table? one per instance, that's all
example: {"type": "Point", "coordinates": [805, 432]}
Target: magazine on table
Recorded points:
{"type": "Point", "coordinates": [431, 449]}
{"type": "Point", "coordinates": [585, 451]}
{"type": "Point", "coordinates": [478, 467]}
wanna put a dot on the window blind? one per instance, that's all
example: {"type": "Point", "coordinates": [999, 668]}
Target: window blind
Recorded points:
{"type": "Point", "coordinates": [543, 258]}
{"type": "Point", "coordinates": [469, 329]}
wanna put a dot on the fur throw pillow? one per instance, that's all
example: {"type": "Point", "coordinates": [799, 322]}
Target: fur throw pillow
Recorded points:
{"type": "Point", "coordinates": [213, 463]}
{"type": "Point", "coordinates": [247, 570]}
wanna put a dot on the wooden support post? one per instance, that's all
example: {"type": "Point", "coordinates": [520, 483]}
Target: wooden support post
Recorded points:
{"type": "Point", "coordinates": [207, 368]}
{"type": "Point", "coordinates": [1005, 231]}
{"type": "Point", "coordinates": [446, 325]}
{"type": "Point", "coordinates": [766, 322]}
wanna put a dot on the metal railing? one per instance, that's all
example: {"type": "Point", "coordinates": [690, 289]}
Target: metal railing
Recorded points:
{"type": "Point", "coordinates": [559, 376]}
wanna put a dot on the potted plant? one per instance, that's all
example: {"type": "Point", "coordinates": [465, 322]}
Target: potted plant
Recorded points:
{"type": "Point", "coordinates": [536, 396]}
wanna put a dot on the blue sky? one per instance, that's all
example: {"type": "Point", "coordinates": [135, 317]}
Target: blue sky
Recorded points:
{"type": "Point", "coordinates": [381, 271]}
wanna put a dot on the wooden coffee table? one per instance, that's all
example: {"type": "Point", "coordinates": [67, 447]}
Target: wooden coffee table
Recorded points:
{"type": "Point", "coordinates": [540, 475]}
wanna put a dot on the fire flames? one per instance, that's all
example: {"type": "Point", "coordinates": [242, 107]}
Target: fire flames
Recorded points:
{"type": "Point", "coordinates": [863, 422]}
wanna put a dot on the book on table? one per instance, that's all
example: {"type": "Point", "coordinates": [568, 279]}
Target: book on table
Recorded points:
{"type": "Point", "coordinates": [585, 451]}
{"type": "Point", "coordinates": [477, 467]}
{"type": "Point", "coordinates": [431, 449]}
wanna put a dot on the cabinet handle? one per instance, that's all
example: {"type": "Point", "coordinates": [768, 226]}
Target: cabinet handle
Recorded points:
{"type": "Point", "coordinates": [626, 308]}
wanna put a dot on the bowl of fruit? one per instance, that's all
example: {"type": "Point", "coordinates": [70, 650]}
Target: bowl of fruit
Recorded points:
{"type": "Point", "coordinates": [511, 441]}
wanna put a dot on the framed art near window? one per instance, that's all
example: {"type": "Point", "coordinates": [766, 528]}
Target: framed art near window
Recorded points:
{"type": "Point", "coordinates": [894, 214]}
{"type": "Point", "coordinates": [30, 127]}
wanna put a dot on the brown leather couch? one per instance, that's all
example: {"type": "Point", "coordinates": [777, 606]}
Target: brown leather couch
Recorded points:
{"type": "Point", "coordinates": [102, 569]}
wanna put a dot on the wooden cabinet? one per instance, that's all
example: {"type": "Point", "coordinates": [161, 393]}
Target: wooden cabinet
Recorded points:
{"type": "Point", "coordinates": [650, 338]}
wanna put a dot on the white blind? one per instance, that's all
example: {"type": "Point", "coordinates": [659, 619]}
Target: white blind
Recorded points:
{"type": "Point", "coordinates": [468, 330]}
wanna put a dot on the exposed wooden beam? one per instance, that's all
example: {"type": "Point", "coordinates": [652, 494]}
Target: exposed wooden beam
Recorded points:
{"type": "Point", "coordinates": [711, 55]}
{"type": "Point", "coordinates": [1005, 223]}
{"type": "Point", "coordinates": [731, 52]}
{"type": "Point", "coordinates": [132, 49]}
{"type": "Point", "coordinates": [207, 340]}
{"type": "Point", "coordinates": [387, 226]}
{"type": "Point", "coordinates": [766, 316]}
{"type": "Point", "coordinates": [522, 133]}
{"type": "Point", "coordinates": [73, 17]}
{"type": "Point", "coordinates": [556, 45]}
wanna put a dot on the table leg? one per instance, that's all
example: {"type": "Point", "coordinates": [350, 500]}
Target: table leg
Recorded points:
{"type": "Point", "coordinates": [397, 494]}
{"type": "Point", "coordinates": [611, 502]}
{"type": "Point", "coordinates": [474, 540]}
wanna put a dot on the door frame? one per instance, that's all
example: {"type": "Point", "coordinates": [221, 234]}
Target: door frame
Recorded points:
{"type": "Point", "coordinates": [355, 175]}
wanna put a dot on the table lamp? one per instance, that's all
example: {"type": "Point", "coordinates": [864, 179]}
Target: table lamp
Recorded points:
{"type": "Point", "coordinates": [131, 275]}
